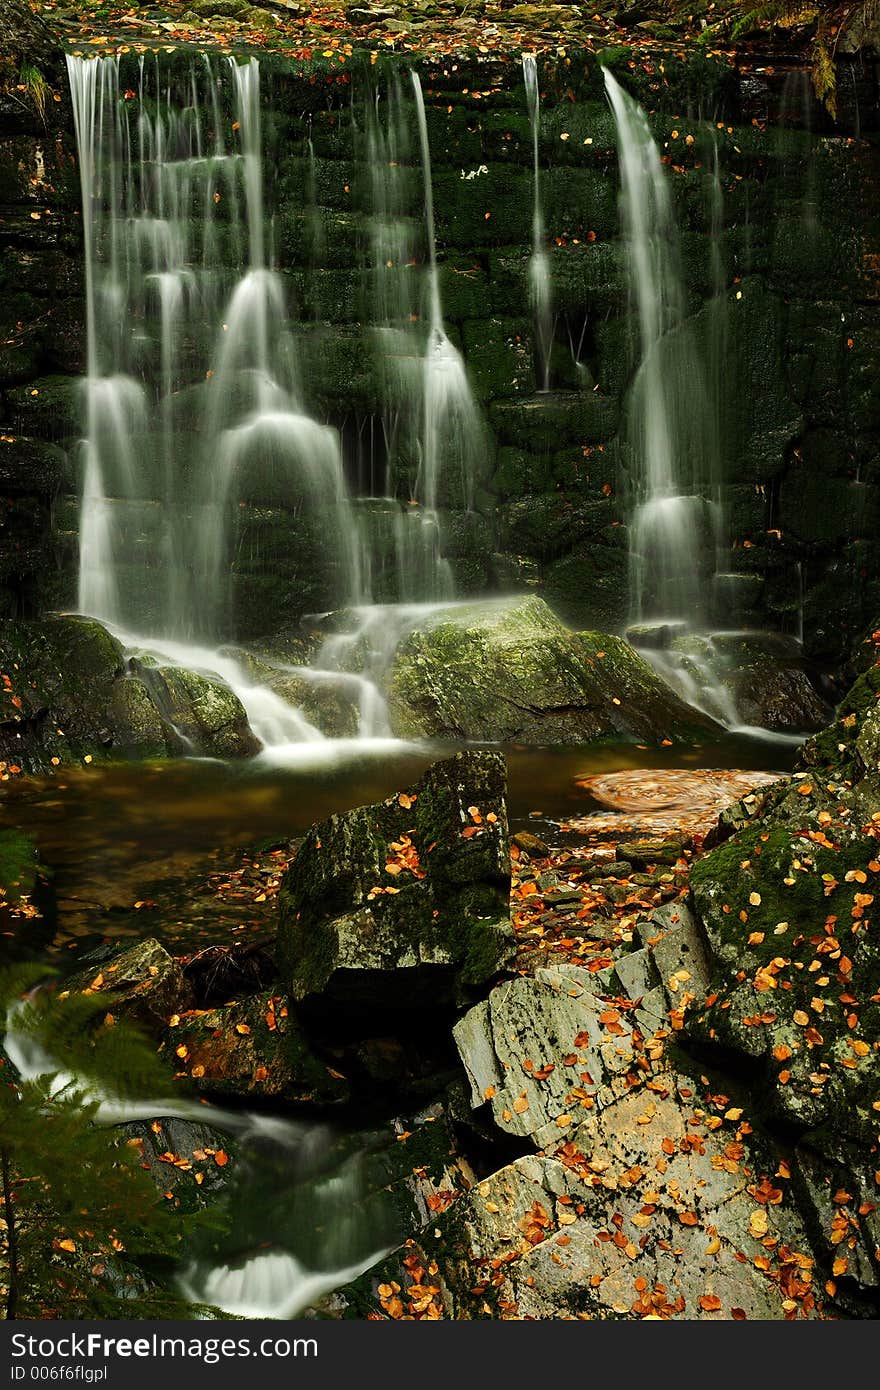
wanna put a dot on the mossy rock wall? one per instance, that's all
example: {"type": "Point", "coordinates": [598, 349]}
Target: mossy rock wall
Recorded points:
{"type": "Point", "coordinates": [789, 286]}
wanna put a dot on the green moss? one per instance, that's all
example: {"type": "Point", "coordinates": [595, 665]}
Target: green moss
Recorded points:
{"type": "Point", "coordinates": [779, 903]}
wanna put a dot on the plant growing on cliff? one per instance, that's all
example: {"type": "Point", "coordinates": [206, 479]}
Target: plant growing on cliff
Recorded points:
{"type": "Point", "coordinates": [831, 21]}
{"type": "Point", "coordinates": [28, 48]}
{"type": "Point", "coordinates": [35, 87]}
{"type": "Point", "coordinates": [83, 1230]}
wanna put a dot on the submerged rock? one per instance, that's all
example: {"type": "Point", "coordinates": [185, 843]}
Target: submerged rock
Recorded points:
{"type": "Point", "coordinates": [510, 671]}
{"type": "Point", "coordinates": [405, 901]}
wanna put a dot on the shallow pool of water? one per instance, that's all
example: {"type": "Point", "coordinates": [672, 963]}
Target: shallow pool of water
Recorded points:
{"type": "Point", "coordinates": [157, 849]}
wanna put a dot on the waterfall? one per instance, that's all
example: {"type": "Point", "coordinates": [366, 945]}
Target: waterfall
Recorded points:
{"type": "Point", "coordinates": [540, 288]}
{"type": "Point", "coordinates": [339, 1228]}
{"type": "Point", "coordinates": [725, 603]}
{"type": "Point", "coordinates": [669, 417]}
{"type": "Point", "coordinates": [193, 407]}
{"type": "Point", "coordinates": [452, 432]}
{"type": "Point", "coordinates": [405, 532]}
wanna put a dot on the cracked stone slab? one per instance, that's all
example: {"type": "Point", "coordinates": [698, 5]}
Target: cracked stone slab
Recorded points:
{"type": "Point", "coordinates": [541, 1050]}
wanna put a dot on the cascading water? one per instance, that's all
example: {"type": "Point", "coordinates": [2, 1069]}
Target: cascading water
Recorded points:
{"type": "Point", "coordinates": [452, 432]}
{"type": "Point", "coordinates": [673, 523]}
{"type": "Point", "coordinates": [335, 1220]}
{"type": "Point", "coordinates": [406, 531]}
{"type": "Point", "coordinates": [672, 433]}
{"type": "Point", "coordinates": [193, 405]}
{"type": "Point", "coordinates": [195, 412]}
{"type": "Point", "coordinates": [540, 285]}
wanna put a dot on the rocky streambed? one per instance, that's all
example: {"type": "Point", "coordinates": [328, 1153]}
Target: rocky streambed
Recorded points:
{"type": "Point", "coordinates": [624, 1064]}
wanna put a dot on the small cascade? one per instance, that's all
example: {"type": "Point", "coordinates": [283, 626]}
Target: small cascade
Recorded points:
{"type": "Point", "coordinates": [680, 586]}
{"type": "Point", "coordinates": [335, 1222]}
{"type": "Point", "coordinates": [724, 596]}
{"type": "Point", "coordinates": [673, 527]}
{"type": "Point", "coordinates": [540, 287]}
{"type": "Point", "coordinates": [452, 432]}
{"type": "Point", "coordinates": [403, 534]}
{"type": "Point", "coordinates": [192, 401]}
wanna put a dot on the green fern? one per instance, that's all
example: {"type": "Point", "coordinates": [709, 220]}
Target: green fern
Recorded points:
{"type": "Point", "coordinates": [84, 1229]}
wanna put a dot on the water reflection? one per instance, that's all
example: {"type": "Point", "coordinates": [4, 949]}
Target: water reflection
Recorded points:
{"type": "Point", "coordinates": [138, 849]}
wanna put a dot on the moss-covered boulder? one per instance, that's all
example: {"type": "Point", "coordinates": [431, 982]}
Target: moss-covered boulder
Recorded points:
{"type": "Point", "coordinates": [406, 901]}
{"type": "Point", "coordinates": [788, 905]}
{"type": "Point", "coordinates": [200, 713]}
{"type": "Point", "coordinates": [253, 1047]}
{"type": "Point", "coordinates": [142, 982]}
{"type": "Point", "coordinates": [787, 914]}
{"type": "Point", "coordinates": [69, 692]}
{"type": "Point", "coordinates": [510, 671]}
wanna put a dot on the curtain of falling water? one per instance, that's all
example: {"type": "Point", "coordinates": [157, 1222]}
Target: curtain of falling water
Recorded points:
{"type": "Point", "coordinates": [452, 436]}
{"type": "Point", "coordinates": [192, 399]}
{"type": "Point", "coordinates": [540, 287]}
{"type": "Point", "coordinates": [402, 529]}
{"type": "Point", "coordinates": [669, 422]}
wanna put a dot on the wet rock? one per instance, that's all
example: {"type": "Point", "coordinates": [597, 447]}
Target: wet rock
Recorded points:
{"type": "Point", "coordinates": [511, 671]}
{"type": "Point", "coordinates": [530, 844]}
{"type": "Point", "coordinates": [253, 1047]}
{"type": "Point", "coordinates": [836, 1188]}
{"type": "Point", "coordinates": [787, 907]}
{"type": "Point", "coordinates": [145, 982]}
{"type": "Point", "coordinates": [868, 742]}
{"type": "Point", "coordinates": [777, 907]}
{"type": "Point", "coordinates": [641, 1211]}
{"type": "Point", "coordinates": [678, 951]}
{"type": "Point", "coordinates": [609, 868]}
{"type": "Point", "coordinates": [201, 713]}
{"type": "Point", "coordinates": [641, 853]}
{"type": "Point", "coordinates": [405, 901]}
{"type": "Point", "coordinates": [527, 1047]}
{"type": "Point", "coordinates": [75, 695]}
{"type": "Point", "coordinates": [778, 697]}
{"type": "Point", "coordinates": [181, 1158]}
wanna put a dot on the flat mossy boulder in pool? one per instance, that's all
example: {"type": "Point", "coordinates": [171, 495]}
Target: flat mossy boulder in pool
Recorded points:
{"type": "Point", "coordinates": [72, 694]}
{"type": "Point", "coordinates": [252, 1047]}
{"type": "Point", "coordinates": [511, 671]}
{"type": "Point", "coordinates": [405, 902]}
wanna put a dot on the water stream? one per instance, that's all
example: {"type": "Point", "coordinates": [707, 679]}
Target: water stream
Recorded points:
{"type": "Point", "coordinates": [672, 526]}
{"type": "Point", "coordinates": [271, 1263]}
{"type": "Point", "coordinates": [540, 285]}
